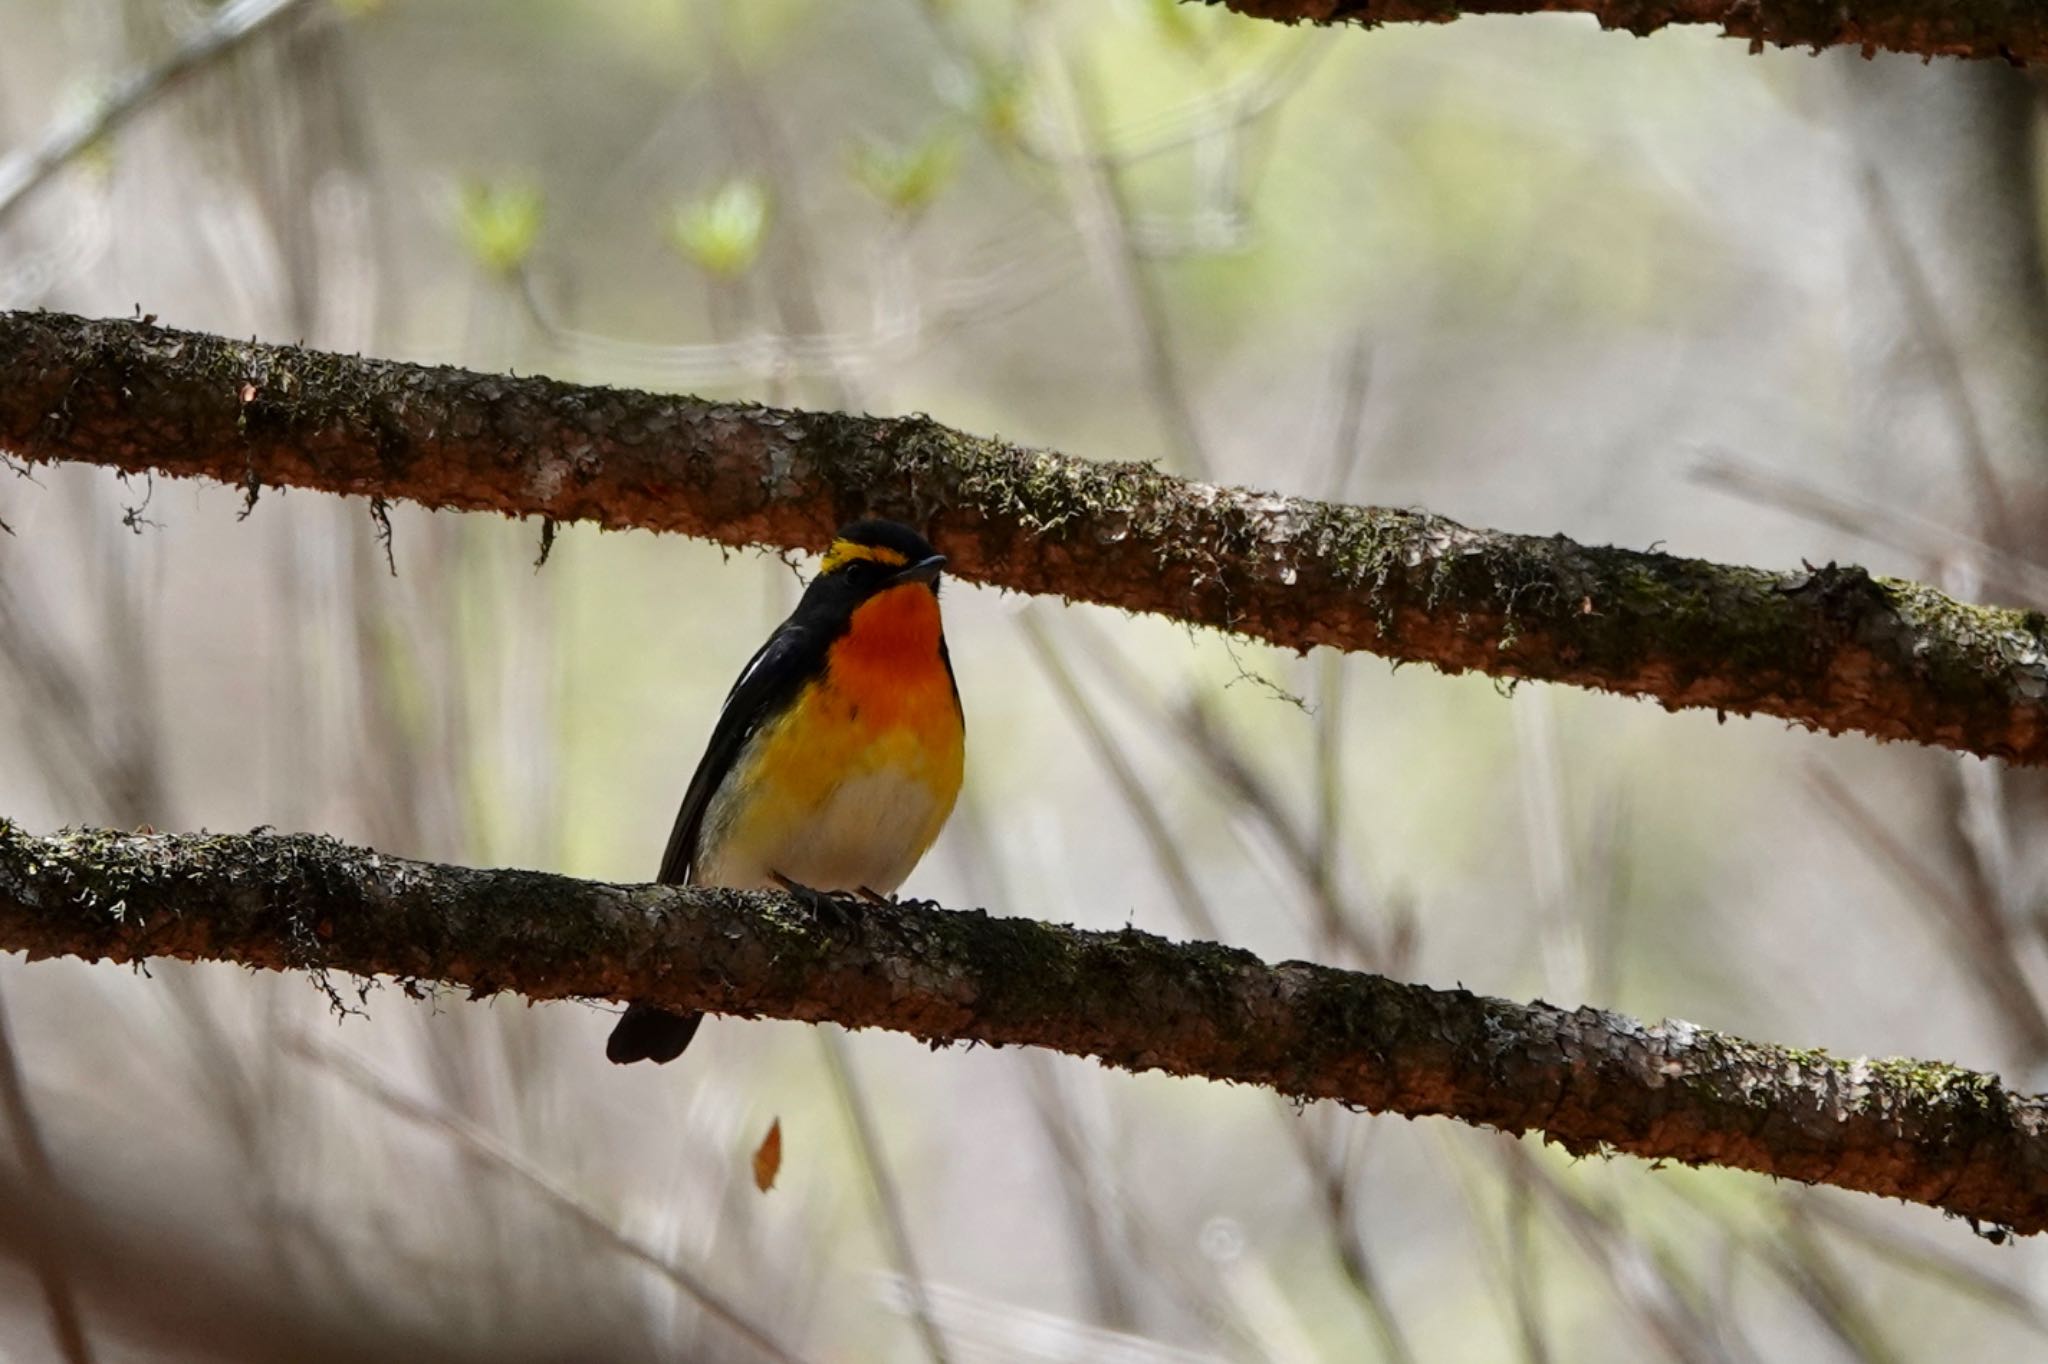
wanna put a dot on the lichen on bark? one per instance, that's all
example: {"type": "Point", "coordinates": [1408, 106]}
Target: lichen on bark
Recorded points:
{"type": "Point", "coordinates": [1592, 1081]}
{"type": "Point", "coordinates": [1832, 648]}
{"type": "Point", "coordinates": [2007, 30]}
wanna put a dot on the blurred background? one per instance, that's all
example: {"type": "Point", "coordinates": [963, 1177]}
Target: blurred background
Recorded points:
{"type": "Point", "coordinates": [1519, 272]}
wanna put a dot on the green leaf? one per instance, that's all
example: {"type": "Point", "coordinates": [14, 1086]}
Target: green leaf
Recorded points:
{"type": "Point", "coordinates": [908, 179]}
{"type": "Point", "coordinates": [499, 223]}
{"type": "Point", "coordinates": [1002, 99]}
{"type": "Point", "coordinates": [1177, 24]}
{"type": "Point", "coordinates": [722, 232]}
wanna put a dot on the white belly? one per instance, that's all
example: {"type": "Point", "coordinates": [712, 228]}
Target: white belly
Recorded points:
{"type": "Point", "coordinates": [867, 834]}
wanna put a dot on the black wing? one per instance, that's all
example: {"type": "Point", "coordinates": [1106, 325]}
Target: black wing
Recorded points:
{"type": "Point", "coordinates": [790, 658]}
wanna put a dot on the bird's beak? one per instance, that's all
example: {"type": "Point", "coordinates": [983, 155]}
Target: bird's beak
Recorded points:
{"type": "Point", "coordinates": [923, 571]}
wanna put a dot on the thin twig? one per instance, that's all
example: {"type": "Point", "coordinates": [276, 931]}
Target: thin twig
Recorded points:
{"type": "Point", "coordinates": [1231, 767]}
{"type": "Point", "coordinates": [1115, 1236]}
{"type": "Point", "coordinates": [1172, 862]}
{"type": "Point", "coordinates": [1347, 455]}
{"type": "Point", "coordinates": [1096, 1238]}
{"type": "Point", "coordinates": [1805, 1264]}
{"type": "Point", "coordinates": [2009, 575]}
{"type": "Point", "coordinates": [1508, 1246]}
{"type": "Point", "coordinates": [1104, 218]}
{"type": "Point", "coordinates": [481, 1145]}
{"type": "Point", "coordinates": [882, 1185]}
{"type": "Point", "coordinates": [1320, 1162]}
{"type": "Point", "coordinates": [230, 26]}
{"type": "Point", "coordinates": [1338, 929]}
{"type": "Point", "coordinates": [1984, 937]}
{"type": "Point", "coordinates": [67, 1326]}
{"type": "Point", "coordinates": [58, 713]}
{"type": "Point", "coordinates": [1924, 321]}
{"type": "Point", "coordinates": [1129, 1228]}
{"type": "Point", "coordinates": [1523, 1267]}
{"type": "Point", "coordinates": [1646, 1282]}
{"type": "Point", "coordinates": [1924, 1258]}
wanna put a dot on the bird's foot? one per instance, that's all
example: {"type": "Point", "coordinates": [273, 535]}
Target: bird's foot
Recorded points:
{"type": "Point", "coordinates": [833, 909]}
{"type": "Point", "coordinates": [876, 897]}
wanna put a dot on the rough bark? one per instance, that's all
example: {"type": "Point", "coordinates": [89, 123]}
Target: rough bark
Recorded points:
{"type": "Point", "coordinates": [2015, 30]}
{"type": "Point", "coordinates": [1589, 1080]}
{"type": "Point", "coordinates": [1830, 648]}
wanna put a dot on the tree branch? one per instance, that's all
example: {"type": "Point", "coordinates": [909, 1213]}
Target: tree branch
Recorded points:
{"type": "Point", "coordinates": [1588, 1080]}
{"type": "Point", "coordinates": [1832, 648]}
{"type": "Point", "coordinates": [2012, 29]}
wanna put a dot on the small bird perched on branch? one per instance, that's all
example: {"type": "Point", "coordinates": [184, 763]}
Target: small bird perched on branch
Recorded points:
{"type": "Point", "coordinates": [837, 756]}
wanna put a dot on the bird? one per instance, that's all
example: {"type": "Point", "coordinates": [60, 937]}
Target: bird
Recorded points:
{"type": "Point", "coordinates": [836, 758]}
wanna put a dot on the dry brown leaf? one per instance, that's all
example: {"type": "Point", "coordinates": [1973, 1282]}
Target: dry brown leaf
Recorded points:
{"type": "Point", "coordinates": [768, 1157]}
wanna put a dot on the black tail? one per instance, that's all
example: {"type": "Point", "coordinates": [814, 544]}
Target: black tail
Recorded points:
{"type": "Point", "coordinates": [648, 1033]}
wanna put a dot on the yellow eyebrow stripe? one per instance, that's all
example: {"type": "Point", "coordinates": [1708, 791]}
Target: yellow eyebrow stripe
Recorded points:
{"type": "Point", "coordinates": [845, 551]}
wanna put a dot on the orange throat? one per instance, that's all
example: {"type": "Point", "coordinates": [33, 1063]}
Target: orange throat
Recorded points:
{"type": "Point", "coordinates": [887, 668]}
{"type": "Point", "coordinates": [894, 636]}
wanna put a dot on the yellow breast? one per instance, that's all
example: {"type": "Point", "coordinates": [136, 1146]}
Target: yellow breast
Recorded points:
{"type": "Point", "coordinates": [850, 786]}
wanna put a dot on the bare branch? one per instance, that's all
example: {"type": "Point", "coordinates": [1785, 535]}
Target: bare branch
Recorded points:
{"type": "Point", "coordinates": [224, 31]}
{"type": "Point", "coordinates": [882, 1184]}
{"type": "Point", "coordinates": [46, 1255]}
{"type": "Point", "coordinates": [486, 1149]}
{"type": "Point", "coordinates": [1589, 1080]}
{"type": "Point", "coordinates": [1932, 28]}
{"type": "Point", "coordinates": [1830, 648]}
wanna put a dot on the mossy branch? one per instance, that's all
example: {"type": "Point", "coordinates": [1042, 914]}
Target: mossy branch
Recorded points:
{"type": "Point", "coordinates": [1589, 1080]}
{"type": "Point", "coordinates": [2011, 30]}
{"type": "Point", "coordinates": [1832, 648]}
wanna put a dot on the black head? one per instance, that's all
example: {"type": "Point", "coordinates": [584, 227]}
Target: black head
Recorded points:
{"type": "Point", "coordinates": [873, 556]}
